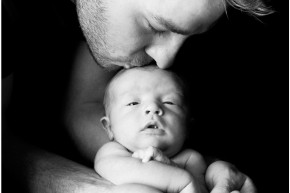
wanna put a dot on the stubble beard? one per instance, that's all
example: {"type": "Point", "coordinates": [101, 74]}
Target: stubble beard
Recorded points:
{"type": "Point", "coordinates": [93, 22]}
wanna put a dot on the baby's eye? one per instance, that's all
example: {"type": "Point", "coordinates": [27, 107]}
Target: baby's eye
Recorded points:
{"type": "Point", "coordinates": [132, 103]}
{"type": "Point", "coordinates": [168, 103]}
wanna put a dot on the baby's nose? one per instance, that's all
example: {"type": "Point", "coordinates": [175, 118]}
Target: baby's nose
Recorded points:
{"type": "Point", "coordinates": [153, 109]}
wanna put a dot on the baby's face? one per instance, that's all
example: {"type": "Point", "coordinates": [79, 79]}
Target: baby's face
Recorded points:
{"type": "Point", "coordinates": [148, 110]}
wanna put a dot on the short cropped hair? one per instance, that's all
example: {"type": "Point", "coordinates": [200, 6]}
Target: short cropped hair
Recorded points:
{"type": "Point", "coordinates": [252, 7]}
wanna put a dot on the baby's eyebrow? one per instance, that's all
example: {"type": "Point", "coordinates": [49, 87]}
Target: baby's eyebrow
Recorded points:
{"type": "Point", "coordinates": [175, 94]}
{"type": "Point", "coordinates": [127, 95]}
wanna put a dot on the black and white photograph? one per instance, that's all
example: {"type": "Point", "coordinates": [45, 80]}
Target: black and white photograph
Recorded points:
{"type": "Point", "coordinates": [145, 96]}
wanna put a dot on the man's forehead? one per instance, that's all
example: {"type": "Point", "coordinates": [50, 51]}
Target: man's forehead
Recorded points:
{"type": "Point", "coordinates": [185, 16]}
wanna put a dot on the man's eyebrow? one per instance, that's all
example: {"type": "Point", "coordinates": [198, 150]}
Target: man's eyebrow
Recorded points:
{"type": "Point", "coordinates": [171, 26]}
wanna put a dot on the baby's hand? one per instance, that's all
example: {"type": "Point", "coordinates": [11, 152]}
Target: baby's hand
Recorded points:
{"type": "Point", "coordinates": [152, 153]}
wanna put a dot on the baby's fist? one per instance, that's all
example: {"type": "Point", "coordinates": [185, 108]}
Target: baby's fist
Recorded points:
{"type": "Point", "coordinates": [151, 153]}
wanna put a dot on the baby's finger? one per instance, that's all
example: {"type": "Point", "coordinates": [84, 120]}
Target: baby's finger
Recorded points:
{"type": "Point", "coordinates": [138, 154]}
{"type": "Point", "coordinates": [148, 154]}
{"type": "Point", "coordinates": [159, 156]}
{"type": "Point", "coordinates": [135, 154]}
{"type": "Point", "coordinates": [146, 159]}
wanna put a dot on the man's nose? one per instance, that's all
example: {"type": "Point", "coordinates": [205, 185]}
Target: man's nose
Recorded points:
{"type": "Point", "coordinates": [153, 109]}
{"type": "Point", "coordinates": [164, 51]}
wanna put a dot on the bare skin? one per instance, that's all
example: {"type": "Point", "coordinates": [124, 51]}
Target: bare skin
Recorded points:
{"type": "Point", "coordinates": [66, 175]}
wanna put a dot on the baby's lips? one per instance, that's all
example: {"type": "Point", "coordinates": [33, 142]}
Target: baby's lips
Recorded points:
{"type": "Point", "coordinates": [152, 125]}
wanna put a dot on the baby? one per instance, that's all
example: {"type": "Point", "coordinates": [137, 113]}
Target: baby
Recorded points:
{"type": "Point", "coordinates": [146, 121]}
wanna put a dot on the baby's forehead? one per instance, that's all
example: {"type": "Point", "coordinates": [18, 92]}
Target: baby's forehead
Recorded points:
{"type": "Point", "coordinates": [146, 76]}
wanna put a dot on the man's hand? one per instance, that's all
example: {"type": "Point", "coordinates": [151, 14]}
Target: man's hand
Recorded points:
{"type": "Point", "coordinates": [222, 177]}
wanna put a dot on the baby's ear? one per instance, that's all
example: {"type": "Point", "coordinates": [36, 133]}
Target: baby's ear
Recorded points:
{"type": "Point", "coordinates": [107, 126]}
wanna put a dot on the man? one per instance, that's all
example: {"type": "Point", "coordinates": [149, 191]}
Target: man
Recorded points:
{"type": "Point", "coordinates": [127, 34]}
{"type": "Point", "coordinates": [122, 34]}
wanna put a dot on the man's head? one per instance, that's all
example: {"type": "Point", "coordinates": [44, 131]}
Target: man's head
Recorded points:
{"type": "Point", "coordinates": [131, 33]}
{"type": "Point", "coordinates": [146, 107]}
{"type": "Point", "coordinates": [136, 32]}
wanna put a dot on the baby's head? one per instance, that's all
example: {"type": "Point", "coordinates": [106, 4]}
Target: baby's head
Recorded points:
{"type": "Point", "coordinates": [145, 106]}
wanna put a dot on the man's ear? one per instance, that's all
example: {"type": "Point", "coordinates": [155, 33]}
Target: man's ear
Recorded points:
{"type": "Point", "coordinates": [107, 126]}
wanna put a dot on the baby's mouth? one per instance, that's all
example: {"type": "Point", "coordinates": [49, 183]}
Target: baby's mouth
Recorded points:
{"type": "Point", "coordinates": [152, 126]}
{"type": "Point", "coordinates": [153, 129]}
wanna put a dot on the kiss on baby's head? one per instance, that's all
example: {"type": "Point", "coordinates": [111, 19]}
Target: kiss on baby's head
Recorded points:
{"type": "Point", "coordinates": [145, 106]}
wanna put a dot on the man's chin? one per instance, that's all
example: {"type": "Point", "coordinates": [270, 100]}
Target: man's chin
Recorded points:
{"type": "Point", "coordinates": [112, 65]}
{"type": "Point", "coordinates": [115, 67]}
{"type": "Point", "coordinates": [111, 68]}
{"type": "Point", "coordinates": [108, 66]}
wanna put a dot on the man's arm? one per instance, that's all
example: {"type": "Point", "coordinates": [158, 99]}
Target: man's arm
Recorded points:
{"type": "Point", "coordinates": [85, 103]}
{"type": "Point", "coordinates": [116, 164]}
{"type": "Point", "coordinates": [30, 169]}
{"type": "Point", "coordinates": [38, 171]}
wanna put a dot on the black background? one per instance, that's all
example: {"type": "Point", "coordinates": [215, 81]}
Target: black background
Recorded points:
{"type": "Point", "coordinates": [237, 73]}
